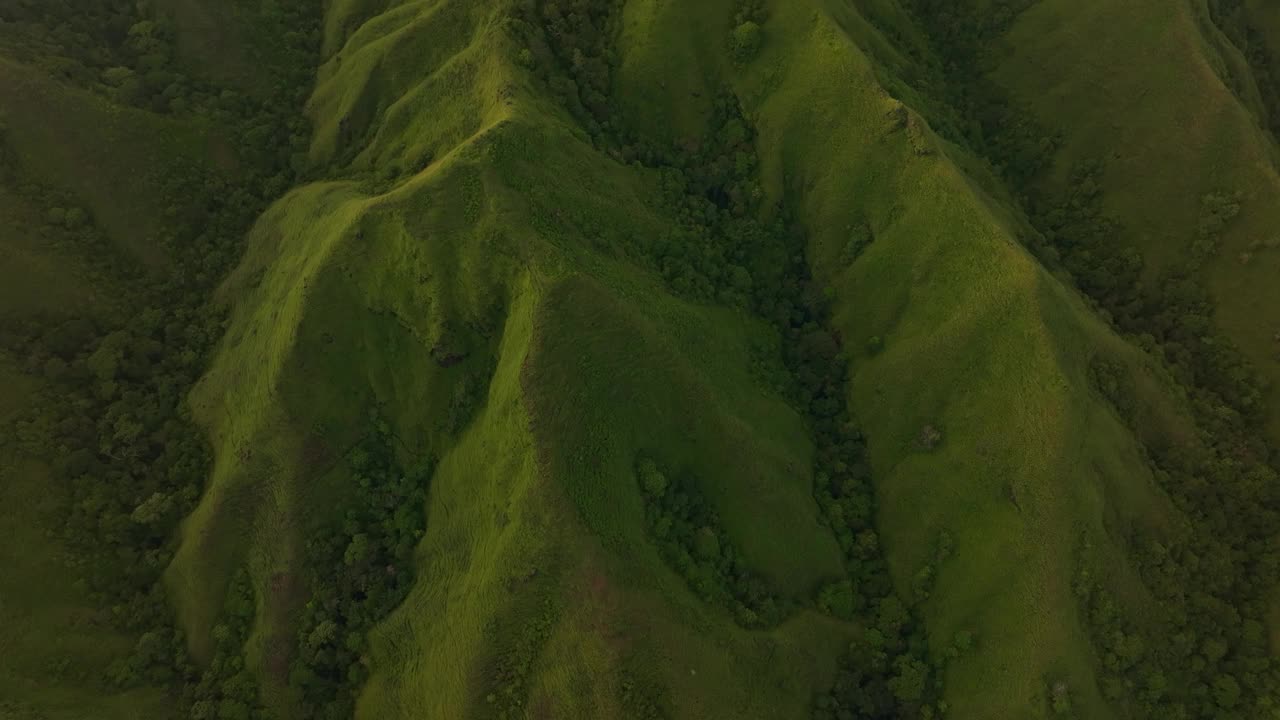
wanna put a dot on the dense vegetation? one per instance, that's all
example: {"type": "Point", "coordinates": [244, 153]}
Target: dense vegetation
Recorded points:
{"type": "Point", "coordinates": [125, 50]}
{"type": "Point", "coordinates": [735, 240]}
{"type": "Point", "coordinates": [697, 547]}
{"type": "Point", "coordinates": [128, 457]}
{"type": "Point", "coordinates": [360, 572]}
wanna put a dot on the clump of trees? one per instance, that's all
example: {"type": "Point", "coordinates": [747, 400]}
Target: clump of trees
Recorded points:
{"type": "Point", "coordinates": [130, 459]}
{"type": "Point", "coordinates": [225, 687]}
{"type": "Point", "coordinates": [72, 40]}
{"type": "Point", "coordinates": [694, 544]}
{"type": "Point", "coordinates": [126, 50]}
{"type": "Point", "coordinates": [885, 674]}
{"type": "Point", "coordinates": [228, 689]}
{"type": "Point", "coordinates": [362, 569]}
{"type": "Point", "coordinates": [1217, 209]}
{"type": "Point", "coordinates": [746, 41]}
{"type": "Point", "coordinates": [570, 47]}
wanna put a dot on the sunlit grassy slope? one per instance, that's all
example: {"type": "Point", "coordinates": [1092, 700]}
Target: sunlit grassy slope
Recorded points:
{"type": "Point", "coordinates": [341, 301]}
{"type": "Point", "coordinates": [1022, 473]}
{"type": "Point", "coordinates": [487, 224]}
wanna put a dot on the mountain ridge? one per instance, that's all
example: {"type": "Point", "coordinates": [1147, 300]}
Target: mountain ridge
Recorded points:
{"type": "Point", "coordinates": [729, 372]}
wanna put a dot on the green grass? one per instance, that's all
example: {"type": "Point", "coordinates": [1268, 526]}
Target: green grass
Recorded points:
{"type": "Point", "coordinates": [491, 522]}
{"type": "Point", "coordinates": [962, 311]}
{"type": "Point", "coordinates": [659, 405]}
{"type": "Point", "coordinates": [236, 401]}
{"type": "Point", "coordinates": [669, 64]}
{"type": "Point", "coordinates": [320, 331]}
{"type": "Point", "coordinates": [385, 280]}
{"type": "Point", "coordinates": [596, 363]}
{"type": "Point", "coordinates": [1170, 132]}
{"type": "Point", "coordinates": [414, 82]}
{"type": "Point", "coordinates": [465, 212]}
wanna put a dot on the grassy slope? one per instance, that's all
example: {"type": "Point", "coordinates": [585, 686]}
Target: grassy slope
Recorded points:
{"type": "Point", "coordinates": [39, 274]}
{"type": "Point", "coordinates": [599, 362]}
{"type": "Point", "coordinates": [1169, 132]}
{"type": "Point", "coordinates": [348, 287]}
{"type": "Point", "coordinates": [963, 310]}
{"type": "Point", "coordinates": [431, 254]}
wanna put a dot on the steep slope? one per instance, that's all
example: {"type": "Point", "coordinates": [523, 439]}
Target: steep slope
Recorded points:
{"type": "Point", "coordinates": [631, 359]}
{"type": "Point", "coordinates": [120, 208]}
{"type": "Point", "coordinates": [1164, 294]}
{"type": "Point", "coordinates": [1171, 136]}
{"type": "Point", "coordinates": [440, 267]}
{"type": "Point", "coordinates": [486, 234]}
{"type": "Point", "coordinates": [82, 199]}
{"type": "Point", "coordinates": [960, 308]}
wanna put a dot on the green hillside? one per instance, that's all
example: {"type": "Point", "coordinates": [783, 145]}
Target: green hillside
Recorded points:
{"type": "Point", "coordinates": [628, 359]}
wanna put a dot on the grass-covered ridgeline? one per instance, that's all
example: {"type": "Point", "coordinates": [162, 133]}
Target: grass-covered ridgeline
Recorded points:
{"type": "Point", "coordinates": [623, 358]}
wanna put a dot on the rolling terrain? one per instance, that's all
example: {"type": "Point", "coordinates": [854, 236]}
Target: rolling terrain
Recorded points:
{"type": "Point", "coordinates": [638, 359]}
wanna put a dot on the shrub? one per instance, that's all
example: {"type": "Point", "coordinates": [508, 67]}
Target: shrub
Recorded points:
{"type": "Point", "coordinates": [930, 437]}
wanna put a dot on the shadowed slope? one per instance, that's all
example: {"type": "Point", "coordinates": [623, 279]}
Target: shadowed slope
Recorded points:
{"type": "Point", "coordinates": [1170, 135]}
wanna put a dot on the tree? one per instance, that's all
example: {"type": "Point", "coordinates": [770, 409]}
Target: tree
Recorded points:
{"type": "Point", "coordinates": [930, 437]}
{"type": "Point", "coordinates": [747, 39]}
{"type": "Point", "coordinates": [909, 681]}
{"type": "Point", "coordinates": [358, 551]}
{"type": "Point", "coordinates": [1226, 692]}
{"type": "Point", "coordinates": [154, 510]}
{"type": "Point", "coordinates": [105, 360]}
{"type": "Point", "coordinates": [838, 599]}
{"type": "Point", "coordinates": [652, 480]}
